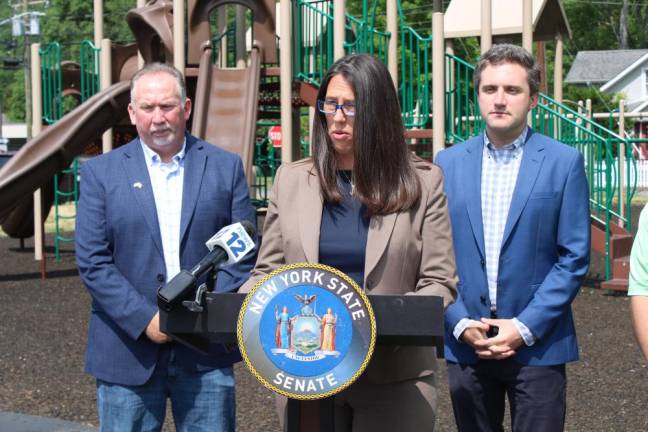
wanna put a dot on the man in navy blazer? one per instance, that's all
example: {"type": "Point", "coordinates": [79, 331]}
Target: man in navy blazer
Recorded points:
{"type": "Point", "coordinates": [145, 212]}
{"type": "Point", "coordinates": [519, 208]}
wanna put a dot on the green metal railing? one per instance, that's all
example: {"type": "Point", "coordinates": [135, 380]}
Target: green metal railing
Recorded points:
{"type": "Point", "coordinates": [414, 75]}
{"type": "Point", "coordinates": [601, 149]}
{"type": "Point", "coordinates": [228, 39]}
{"type": "Point", "coordinates": [463, 118]}
{"type": "Point", "coordinates": [267, 159]}
{"type": "Point", "coordinates": [363, 38]}
{"type": "Point", "coordinates": [51, 82]}
{"type": "Point", "coordinates": [313, 39]}
{"type": "Point", "coordinates": [59, 198]}
{"type": "Point", "coordinates": [52, 95]}
{"type": "Point", "coordinates": [89, 58]}
{"type": "Point", "coordinates": [313, 48]}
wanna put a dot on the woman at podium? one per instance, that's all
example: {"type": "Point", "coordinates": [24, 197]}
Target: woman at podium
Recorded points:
{"type": "Point", "coordinates": [364, 204]}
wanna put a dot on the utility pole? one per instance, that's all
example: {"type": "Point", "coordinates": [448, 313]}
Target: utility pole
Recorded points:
{"type": "Point", "coordinates": [27, 57]}
{"type": "Point", "coordinates": [26, 24]}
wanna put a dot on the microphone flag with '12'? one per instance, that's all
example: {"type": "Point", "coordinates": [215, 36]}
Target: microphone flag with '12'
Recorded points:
{"type": "Point", "coordinates": [228, 246]}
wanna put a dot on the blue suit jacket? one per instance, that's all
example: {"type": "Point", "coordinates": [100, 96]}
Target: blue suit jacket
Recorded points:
{"type": "Point", "coordinates": [120, 259]}
{"type": "Point", "coordinates": [545, 248]}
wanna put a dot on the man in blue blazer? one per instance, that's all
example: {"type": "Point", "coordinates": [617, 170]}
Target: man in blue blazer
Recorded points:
{"type": "Point", "coordinates": [519, 208]}
{"type": "Point", "coordinates": [145, 212]}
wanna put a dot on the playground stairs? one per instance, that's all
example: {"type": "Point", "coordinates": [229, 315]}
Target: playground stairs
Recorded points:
{"type": "Point", "coordinates": [418, 133]}
{"type": "Point", "coordinates": [313, 55]}
{"type": "Point", "coordinates": [620, 245]}
{"type": "Point", "coordinates": [304, 94]}
{"type": "Point", "coordinates": [269, 90]}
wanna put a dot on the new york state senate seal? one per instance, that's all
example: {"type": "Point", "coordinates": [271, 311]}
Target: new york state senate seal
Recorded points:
{"type": "Point", "coordinates": [306, 331]}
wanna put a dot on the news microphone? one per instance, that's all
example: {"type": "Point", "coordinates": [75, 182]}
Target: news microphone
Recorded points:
{"type": "Point", "coordinates": [228, 246]}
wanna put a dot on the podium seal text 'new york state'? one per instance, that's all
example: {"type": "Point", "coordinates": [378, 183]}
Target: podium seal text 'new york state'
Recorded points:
{"type": "Point", "coordinates": [306, 331]}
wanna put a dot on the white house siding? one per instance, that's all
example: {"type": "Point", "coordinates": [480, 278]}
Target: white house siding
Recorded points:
{"type": "Point", "coordinates": [632, 85]}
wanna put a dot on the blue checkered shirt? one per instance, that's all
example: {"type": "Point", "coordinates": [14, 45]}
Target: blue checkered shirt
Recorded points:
{"type": "Point", "coordinates": [500, 168]}
{"type": "Point", "coordinates": [167, 182]}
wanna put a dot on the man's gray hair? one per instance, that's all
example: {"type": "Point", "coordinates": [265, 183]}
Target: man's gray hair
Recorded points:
{"type": "Point", "coordinates": [508, 53]}
{"type": "Point", "coordinates": [155, 68]}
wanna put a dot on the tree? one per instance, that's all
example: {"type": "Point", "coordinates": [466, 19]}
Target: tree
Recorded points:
{"type": "Point", "coordinates": [67, 22]}
{"type": "Point", "coordinates": [597, 25]}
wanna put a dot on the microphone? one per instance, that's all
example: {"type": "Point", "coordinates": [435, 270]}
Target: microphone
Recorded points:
{"type": "Point", "coordinates": [228, 246]}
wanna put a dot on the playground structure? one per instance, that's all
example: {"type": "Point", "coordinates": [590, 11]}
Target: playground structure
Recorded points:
{"type": "Point", "coordinates": [242, 83]}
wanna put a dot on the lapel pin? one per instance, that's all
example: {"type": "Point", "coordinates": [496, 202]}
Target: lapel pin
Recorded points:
{"type": "Point", "coordinates": [137, 185]}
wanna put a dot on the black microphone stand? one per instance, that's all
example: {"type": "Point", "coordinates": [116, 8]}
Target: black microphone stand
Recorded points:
{"type": "Point", "coordinates": [198, 303]}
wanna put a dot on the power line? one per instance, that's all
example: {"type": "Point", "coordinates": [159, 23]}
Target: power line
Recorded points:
{"type": "Point", "coordinates": [609, 2]}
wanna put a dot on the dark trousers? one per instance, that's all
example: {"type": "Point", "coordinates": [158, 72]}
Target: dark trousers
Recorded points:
{"type": "Point", "coordinates": [402, 406]}
{"type": "Point", "coordinates": [536, 396]}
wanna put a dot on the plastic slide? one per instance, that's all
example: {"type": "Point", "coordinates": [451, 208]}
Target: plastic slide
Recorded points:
{"type": "Point", "coordinates": [226, 105]}
{"type": "Point", "coordinates": [51, 151]}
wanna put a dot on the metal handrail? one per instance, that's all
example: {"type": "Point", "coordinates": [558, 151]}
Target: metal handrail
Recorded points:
{"type": "Point", "coordinates": [229, 35]}
{"type": "Point", "coordinates": [266, 161]}
{"type": "Point", "coordinates": [368, 40]}
{"type": "Point", "coordinates": [313, 40]}
{"type": "Point", "coordinates": [415, 74]}
{"type": "Point", "coordinates": [51, 77]}
{"type": "Point", "coordinates": [58, 195]}
{"type": "Point", "coordinates": [415, 77]}
{"type": "Point", "coordinates": [600, 148]}
{"type": "Point", "coordinates": [313, 47]}
{"type": "Point", "coordinates": [463, 118]}
{"type": "Point", "coordinates": [89, 60]}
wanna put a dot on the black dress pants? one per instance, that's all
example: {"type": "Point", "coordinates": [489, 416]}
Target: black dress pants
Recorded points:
{"type": "Point", "coordinates": [536, 394]}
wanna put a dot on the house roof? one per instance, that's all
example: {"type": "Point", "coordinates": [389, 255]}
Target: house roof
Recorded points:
{"type": "Point", "coordinates": [599, 67]}
{"type": "Point", "coordinates": [640, 106]}
{"type": "Point", "coordinates": [463, 19]}
{"type": "Point", "coordinates": [643, 60]}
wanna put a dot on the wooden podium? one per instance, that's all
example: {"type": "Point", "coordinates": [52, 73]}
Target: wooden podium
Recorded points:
{"type": "Point", "coordinates": [400, 320]}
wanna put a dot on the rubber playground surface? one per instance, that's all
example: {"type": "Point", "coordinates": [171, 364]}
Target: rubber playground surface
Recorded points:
{"type": "Point", "coordinates": [42, 343]}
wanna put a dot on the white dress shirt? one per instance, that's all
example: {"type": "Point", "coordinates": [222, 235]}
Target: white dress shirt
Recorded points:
{"type": "Point", "coordinates": [167, 181]}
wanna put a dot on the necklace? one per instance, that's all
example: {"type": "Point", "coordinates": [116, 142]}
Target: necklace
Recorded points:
{"type": "Point", "coordinates": [348, 179]}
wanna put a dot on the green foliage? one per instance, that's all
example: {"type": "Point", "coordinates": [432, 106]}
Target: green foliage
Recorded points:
{"type": "Point", "coordinates": [69, 103]}
{"type": "Point", "coordinates": [468, 49]}
{"type": "Point", "coordinates": [600, 101]}
{"type": "Point", "coordinates": [595, 24]}
{"type": "Point", "coordinates": [14, 95]}
{"type": "Point", "coordinates": [67, 22]}
{"type": "Point", "coordinates": [11, 89]}
{"type": "Point", "coordinates": [115, 25]}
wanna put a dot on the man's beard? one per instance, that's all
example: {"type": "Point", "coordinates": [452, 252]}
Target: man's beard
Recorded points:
{"type": "Point", "coordinates": [162, 140]}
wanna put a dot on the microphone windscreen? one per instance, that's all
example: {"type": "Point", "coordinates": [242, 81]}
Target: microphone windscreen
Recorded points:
{"type": "Point", "coordinates": [249, 228]}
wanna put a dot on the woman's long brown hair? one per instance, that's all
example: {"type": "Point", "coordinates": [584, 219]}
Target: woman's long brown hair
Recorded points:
{"type": "Point", "coordinates": [383, 173]}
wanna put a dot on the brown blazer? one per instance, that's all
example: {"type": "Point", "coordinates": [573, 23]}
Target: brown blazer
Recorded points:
{"type": "Point", "coordinates": [407, 252]}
